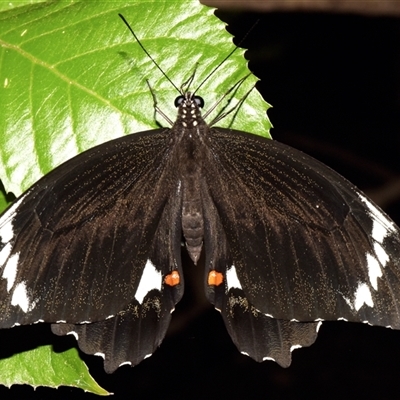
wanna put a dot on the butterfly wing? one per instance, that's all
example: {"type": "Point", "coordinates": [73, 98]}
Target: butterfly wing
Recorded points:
{"type": "Point", "coordinates": [80, 245]}
{"type": "Point", "coordinates": [305, 244]}
{"type": "Point", "coordinates": [253, 332]}
{"type": "Point", "coordinates": [135, 332]}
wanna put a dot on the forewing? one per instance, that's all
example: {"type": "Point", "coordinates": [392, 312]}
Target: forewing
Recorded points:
{"type": "Point", "coordinates": [305, 242]}
{"type": "Point", "coordinates": [73, 247]}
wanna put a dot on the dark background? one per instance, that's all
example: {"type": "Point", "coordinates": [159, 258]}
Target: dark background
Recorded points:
{"type": "Point", "coordinates": [334, 82]}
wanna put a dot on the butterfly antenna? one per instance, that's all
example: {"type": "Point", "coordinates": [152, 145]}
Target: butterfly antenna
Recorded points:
{"type": "Point", "coordinates": [226, 58]}
{"type": "Point", "coordinates": [148, 54]}
{"type": "Point", "coordinates": [186, 85]}
{"type": "Point", "coordinates": [233, 88]}
{"type": "Point", "coordinates": [155, 104]}
{"type": "Point", "coordinates": [235, 107]}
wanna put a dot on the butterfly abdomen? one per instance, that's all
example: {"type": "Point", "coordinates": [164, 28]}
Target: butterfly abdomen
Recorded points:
{"type": "Point", "coordinates": [192, 214]}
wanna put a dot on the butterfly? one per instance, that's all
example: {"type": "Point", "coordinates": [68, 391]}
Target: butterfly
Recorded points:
{"type": "Point", "coordinates": [94, 247]}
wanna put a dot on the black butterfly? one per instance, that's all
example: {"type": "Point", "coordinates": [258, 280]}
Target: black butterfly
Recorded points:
{"type": "Point", "coordinates": [94, 247]}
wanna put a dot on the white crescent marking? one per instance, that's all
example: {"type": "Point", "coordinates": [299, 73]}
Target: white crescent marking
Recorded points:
{"type": "Point", "coordinates": [232, 280]}
{"type": "Point", "coordinates": [374, 270]}
{"type": "Point", "coordinates": [10, 271]}
{"type": "Point", "coordinates": [151, 279]}
{"type": "Point", "coordinates": [73, 334]}
{"type": "Point", "coordinates": [295, 346]}
{"type": "Point", "coordinates": [20, 298]}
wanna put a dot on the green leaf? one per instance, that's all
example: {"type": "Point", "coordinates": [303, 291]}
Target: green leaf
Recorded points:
{"type": "Point", "coordinates": [3, 199]}
{"type": "Point", "coordinates": [56, 369]}
{"type": "Point", "coordinates": [72, 76]}
{"type": "Point", "coordinates": [8, 5]}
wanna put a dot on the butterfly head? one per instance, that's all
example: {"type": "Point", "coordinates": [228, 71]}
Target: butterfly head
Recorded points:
{"type": "Point", "coordinates": [189, 110]}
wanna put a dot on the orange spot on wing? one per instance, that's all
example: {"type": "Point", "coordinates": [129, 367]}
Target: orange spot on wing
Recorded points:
{"type": "Point", "coordinates": [172, 279]}
{"type": "Point", "coordinates": [215, 278]}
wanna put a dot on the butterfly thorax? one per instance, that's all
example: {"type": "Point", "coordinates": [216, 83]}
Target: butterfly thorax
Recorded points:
{"type": "Point", "coordinates": [190, 129]}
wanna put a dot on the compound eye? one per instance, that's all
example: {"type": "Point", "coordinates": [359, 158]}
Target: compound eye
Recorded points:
{"type": "Point", "coordinates": [179, 100]}
{"type": "Point", "coordinates": [199, 101]}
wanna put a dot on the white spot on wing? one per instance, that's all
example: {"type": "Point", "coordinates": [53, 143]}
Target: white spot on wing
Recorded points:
{"type": "Point", "coordinates": [6, 230]}
{"type": "Point", "coordinates": [295, 346]}
{"type": "Point", "coordinates": [151, 279]}
{"type": "Point", "coordinates": [125, 363]}
{"type": "Point", "coordinates": [362, 296]}
{"type": "Point", "coordinates": [318, 326]}
{"type": "Point", "coordinates": [381, 228]}
{"type": "Point", "coordinates": [102, 355]}
{"type": "Point", "coordinates": [20, 298]}
{"type": "Point", "coordinates": [10, 271]}
{"type": "Point", "coordinates": [382, 225]}
{"type": "Point", "coordinates": [268, 359]}
{"type": "Point", "coordinates": [374, 270]}
{"type": "Point", "coordinates": [73, 333]}
{"type": "Point", "coordinates": [380, 252]}
{"type": "Point", "coordinates": [6, 225]}
{"type": "Point", "coordinates": [232, 280]}
{"type": "Point", "coordinates": [4, 253]}
{"type": "Point", "coordinates": [379, 232]}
